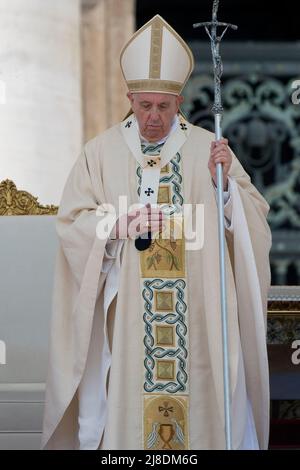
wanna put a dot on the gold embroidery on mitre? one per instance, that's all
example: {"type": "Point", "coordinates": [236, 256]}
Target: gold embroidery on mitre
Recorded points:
{"type": "Point", "coordinates": [163, 86]}
{"type": "Point", "coordinates": [166, 423]}
{"type": "Point", "coordinates": [156, 48]}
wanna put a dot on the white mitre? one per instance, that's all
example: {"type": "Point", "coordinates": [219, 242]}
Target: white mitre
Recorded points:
{"type": "Point", "coordinates": [156, 59]}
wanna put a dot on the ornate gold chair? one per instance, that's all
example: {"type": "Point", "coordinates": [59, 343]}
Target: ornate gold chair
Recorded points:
{"type": "Point", "coordinates": [27, 256]}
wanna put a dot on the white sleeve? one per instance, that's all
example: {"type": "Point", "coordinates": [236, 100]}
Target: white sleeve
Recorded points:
{"type": "Point", "coordinates": [227, 206]}
{"type": "Point", "coordinates": [110, 254]}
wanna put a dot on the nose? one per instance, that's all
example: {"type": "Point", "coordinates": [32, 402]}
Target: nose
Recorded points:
{"type": "Point", "coordinates": [154, 115]}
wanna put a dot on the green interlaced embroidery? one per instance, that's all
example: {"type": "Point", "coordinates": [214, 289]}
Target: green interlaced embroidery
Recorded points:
{"type": "Point", "coordinates": [152, 351]}
{"type": "Point", "coordinates": [176, 318]}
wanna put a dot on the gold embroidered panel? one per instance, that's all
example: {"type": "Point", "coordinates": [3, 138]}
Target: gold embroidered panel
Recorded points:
{"type": "Point", "coordinates": [166, 424]}
{"type": "Point", "coordinates": [164, 258]}
{"type": "Point", "coordinates": [165, 318]}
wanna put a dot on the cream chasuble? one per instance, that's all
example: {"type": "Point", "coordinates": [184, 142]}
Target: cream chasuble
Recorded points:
{"type": "Point", "coordinates": [152, 319]}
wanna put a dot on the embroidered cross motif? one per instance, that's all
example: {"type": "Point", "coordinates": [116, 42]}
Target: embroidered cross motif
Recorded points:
{"type": "Point", "coordinates": [151, 162]}
{"type": "Point", "coordinates": [183, 126]}
{"type": "Point", "coordinates": [128, 124]}
{"type": "Point", "coordinates": [149, 191]}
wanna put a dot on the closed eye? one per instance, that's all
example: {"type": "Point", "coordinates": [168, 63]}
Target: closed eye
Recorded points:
{"type": "Point", "coordinates": [146, 105]}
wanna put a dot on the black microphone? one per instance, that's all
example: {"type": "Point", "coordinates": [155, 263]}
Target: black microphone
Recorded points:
{"type": "Point", "coordinates": [143, 242]}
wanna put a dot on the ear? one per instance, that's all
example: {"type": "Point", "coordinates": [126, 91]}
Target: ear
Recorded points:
{"type": "Point", "coordinates": [180, 100]}
{"type": "Point", "coordinates": [130, 97]}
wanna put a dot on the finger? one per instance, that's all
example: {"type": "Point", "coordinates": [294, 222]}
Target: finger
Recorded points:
{"type": "Point", "coordinates": [222, 160]}
{"type": "Point", "coordinates": [222, 141]}
{"type": "Point", "coordinates": [221, 152]}
{"type": "Point", "coordinates": [154, 227]}
{"type": "Point", "coordinates": [219, 148]}
{"type": "Point", "coordinates": [152, 217]}
{"type": "Point", "coordinates": [147, 210]}
{"type": "Point", "coordinates": [157, 227]}
{"type": "Point", "coordinates": [134, 212]}
{"type": "Point", "coordinates": [155, 213]}
{"type": "Point", "coordinates": [159, 216]}
{"type": "Point", "coordinates": [151, 208]}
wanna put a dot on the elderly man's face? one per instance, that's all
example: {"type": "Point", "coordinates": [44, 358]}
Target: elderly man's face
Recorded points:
{"type": "Point", "coordinates": [154, 113]}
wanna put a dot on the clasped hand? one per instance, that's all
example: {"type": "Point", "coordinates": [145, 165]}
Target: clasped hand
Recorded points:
{"type": "Point", "coordinates": [220, 153]}
{"type": "Point", "coordinates": [137, 222]}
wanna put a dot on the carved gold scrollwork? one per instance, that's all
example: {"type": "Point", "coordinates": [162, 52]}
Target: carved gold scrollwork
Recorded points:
{"type": "Point", "coordinates": [17, 202]}
{"type": "Point", "coordinates": [283, 314]}
{"type": "Point", "coordinates": [276, 307]}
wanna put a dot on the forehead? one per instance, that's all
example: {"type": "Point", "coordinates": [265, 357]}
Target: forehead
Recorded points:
{"type": "Point", "coordinates": [154, 98]}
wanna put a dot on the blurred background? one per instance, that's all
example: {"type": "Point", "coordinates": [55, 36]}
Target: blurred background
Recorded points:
{"type": "Point", "coordinates": [261, 61]}
{"type": "Point", "coordinates": [61, 85]}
